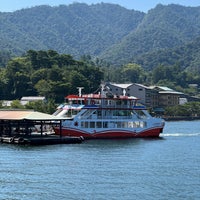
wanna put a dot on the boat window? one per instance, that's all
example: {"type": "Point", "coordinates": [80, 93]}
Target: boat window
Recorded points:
{"type": "Point", "coordinates": [92, 124]}
{"type": "Point", "coordinates": [112, 124]}
{"type": "Point", "coordinates": [105, 124]}
{"type": "Point", "coordinates": [86, 124]}
{"type": "Point", "coordinates": [118, 102]}
{"type": "Point", "coordinates": [124, 124]}
{"type": "Point", "coordinates": [124, 102]}
{"type": "Point", "coordinates": [140, 124]}
{"type": "Point", "coordinates": [109, 102]}
{"type": "Point", "coordinates": [143, 124]}
{"type": "Point", "coordinates": [122, 113]}
{"type": "Point", "coordinates": [130, 124]}
{"type": "Point", "coordinates": [99, 124]}
{"type": "Point", "coordinates": [140, 114]}
{"type": "Point", "coordinates": [119, 124]}
{"type": "Point", "coordinates": [99, 113]}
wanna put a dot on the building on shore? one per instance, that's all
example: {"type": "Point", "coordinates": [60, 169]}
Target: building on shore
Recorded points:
{"type": "Point", "coordinates": [155, 97]}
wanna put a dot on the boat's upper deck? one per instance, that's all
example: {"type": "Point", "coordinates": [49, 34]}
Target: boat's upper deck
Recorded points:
{"type": "Point", "coordinates": [99, 101]}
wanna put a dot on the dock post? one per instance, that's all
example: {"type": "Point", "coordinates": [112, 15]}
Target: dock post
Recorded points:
{"type": "Point", "coordinates": [9, 129]}
{"type": "Point", "coordinates": [60, 128]}
{"type": "Point", "coordinates": [41, 127]}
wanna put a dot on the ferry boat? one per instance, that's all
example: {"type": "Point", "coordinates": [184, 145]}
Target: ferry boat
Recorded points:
{"type": "Point", "coordinates": [107, 116]}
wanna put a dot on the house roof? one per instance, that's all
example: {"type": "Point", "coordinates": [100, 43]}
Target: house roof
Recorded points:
{"type": "Point", "coordinates": [26, 115]}
{"type": "Point", "coordinates": [143, 86]}
{"type": "Point", "coordinates": [170, 92]}
{"type": "Point", "coordinates": [32, 98]}
{"type": "Point", "coordinates": [124, 86]}
{"type": "Point", "coordinates": [164, 88]}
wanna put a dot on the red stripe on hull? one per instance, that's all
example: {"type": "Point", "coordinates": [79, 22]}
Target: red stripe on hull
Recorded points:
{"type": "Point", "coordinates": [109, 134]}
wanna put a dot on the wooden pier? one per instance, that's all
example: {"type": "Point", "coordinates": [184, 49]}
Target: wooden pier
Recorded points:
{"type": "Point", "coordinates": [33, 128]}
{"type": "Point", "coordinates": [40, 140]}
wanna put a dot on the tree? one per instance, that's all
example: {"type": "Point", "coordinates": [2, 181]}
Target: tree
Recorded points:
{"type": "Point", "coordinates": [55, 73]}
{"type": "Point", "coordinates": [4, 58]}
{"type": "Point", "coordinates": [3, 84]}
{"type": "Point", "coordinates": [132, 73]}
{"type": "Point", "coordinates": [17, 104]}
{"type": "Point", "coordinates": [59, 90]}
{"type": "Point", "coordinates": [78, 80]}
{"type": "Point", "coordinates": [22, 85]}
{"type": "Point", "coordinates": [189, 109]}
{"type": "Point", "coordinates": [17, 73]}
{"type": "Point", "coordinates": [43, 88]}
{"type": "Point", "coordinates": [158, 74]}
{"type": "Point", "coordinates": [40, 106]}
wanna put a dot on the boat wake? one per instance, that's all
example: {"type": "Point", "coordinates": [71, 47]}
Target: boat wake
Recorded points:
{"type": "Point", "coordinates": [179, 134]}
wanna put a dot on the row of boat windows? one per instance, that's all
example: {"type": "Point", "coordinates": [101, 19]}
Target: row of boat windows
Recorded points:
{"type": "Point", "coordinates": [98, 114]}
{"type": "Point", "coordinates": [103, 102]}
{"type": "Point", "coordinates": [135, 124]}
{"type": "Point", "coordinates": [110, 113]}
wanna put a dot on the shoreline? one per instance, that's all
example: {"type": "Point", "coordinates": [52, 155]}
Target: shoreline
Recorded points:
{"type": "Point", "coordinates": [180, 118]}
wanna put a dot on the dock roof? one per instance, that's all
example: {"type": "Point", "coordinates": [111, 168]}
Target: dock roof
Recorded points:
{"type": "Point", "coordinates": [27, 115]}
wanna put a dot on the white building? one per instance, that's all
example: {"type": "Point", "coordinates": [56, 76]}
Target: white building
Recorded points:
{"type": "Point", "coordinates": [25, 100]}
{"type": "Point", "coordinates": [152, 96]}
{"type": "Point", "coordinates": [140, 91]}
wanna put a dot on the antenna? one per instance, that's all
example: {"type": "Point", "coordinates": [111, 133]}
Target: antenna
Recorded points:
{"type": "Point", "coordinates": [79, 91]}
{"type": "Point", "coordinates": [124, 92]}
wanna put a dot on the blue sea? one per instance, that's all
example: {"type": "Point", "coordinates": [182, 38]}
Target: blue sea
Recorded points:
{"type": "Point", "coordinates": [164, 168]}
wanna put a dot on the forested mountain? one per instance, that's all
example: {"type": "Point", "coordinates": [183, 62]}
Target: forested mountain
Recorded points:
{"type": "Point", "coordinates": [162, 27]}
{"type": "Point", "coordinates": [110, 32]}
{"type": "Point", "coordinates": [76, 29]}
{"type": "Point", "coordinates": [186, 56]}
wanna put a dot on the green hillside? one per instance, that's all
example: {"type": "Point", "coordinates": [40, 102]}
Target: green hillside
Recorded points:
{"type": "Point", "coordinates": [76, 29]}
{"type": "Point", "coordinates": [187, 56]}
{"type": "Point", "coordinates": [162, 28]}
{"type": "Point", "coordinates": [109, 32]}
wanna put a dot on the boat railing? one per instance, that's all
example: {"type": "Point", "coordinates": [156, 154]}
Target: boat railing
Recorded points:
{"type": "Point", "coordinates": [115, 106]}
{"type": "Point", "coordinates": [114, 117]}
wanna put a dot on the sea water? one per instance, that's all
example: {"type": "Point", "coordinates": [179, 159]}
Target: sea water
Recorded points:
{"type": "Point", "coordinates": [164, 168]}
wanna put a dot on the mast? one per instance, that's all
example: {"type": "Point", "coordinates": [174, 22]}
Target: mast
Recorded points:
{"type": "Point", "coordinates": [79, 91]}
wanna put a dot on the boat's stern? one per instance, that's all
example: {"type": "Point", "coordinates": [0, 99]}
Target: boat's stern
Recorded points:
{"type": "Point", "coordinates": [159, 123]}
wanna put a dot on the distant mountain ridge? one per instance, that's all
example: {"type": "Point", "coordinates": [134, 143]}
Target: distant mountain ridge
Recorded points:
{"type": "Point", "coordinates": [107, 31]}
{"type": "Point", "coordinates": [162, 27]}
{"type": "Point", "coordinates": [76, 29]}
{"type": "Point", "coordinates": [187, 56]}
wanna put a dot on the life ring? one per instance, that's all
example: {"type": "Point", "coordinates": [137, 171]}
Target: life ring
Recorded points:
{"type": "Point", "coordinates": [11, 140]}
{"type": "Point", "coordinates": [82, 138]}
{"type": "Point", "coordinates": [21, 140]}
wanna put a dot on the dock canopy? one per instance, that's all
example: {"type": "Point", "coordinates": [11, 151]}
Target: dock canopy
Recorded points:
{"type": "Point", "coordinates": [31, 127]}
{"type": "Point", "coordinates": [25, 119]}
{"type": "Point", "coordinates": [27, 115]}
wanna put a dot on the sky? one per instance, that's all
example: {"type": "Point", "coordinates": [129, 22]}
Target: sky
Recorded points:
{"type": "Point", "coordinates": [140, 5]}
